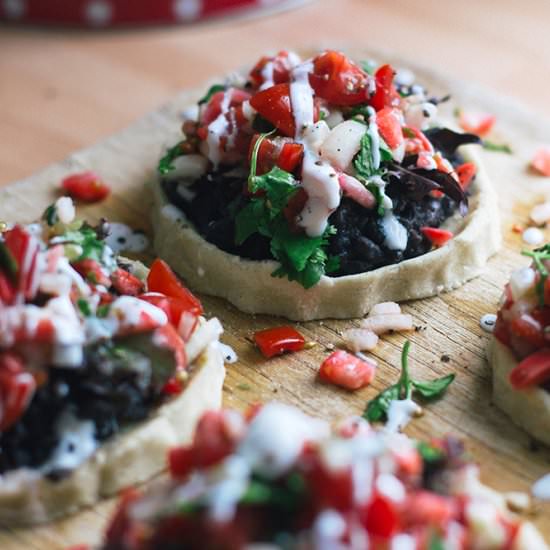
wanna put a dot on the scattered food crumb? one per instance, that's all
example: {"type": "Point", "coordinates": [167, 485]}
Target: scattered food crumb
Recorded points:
{"type": "Point", "coordinates": [445, 358]}
{"type": "Point", "coordinates": [487, 322]}
{"type": "Point", "coordinates": [275, 390]}
{"type": "Point", "coordinates": [243, 387]}
{"type": "Point", "coordinates": [309, 345]}
{"type": "Point", "coordinates": [329, 347]}
{"type": "Point", "coordinates": [517, 228]}
{"type": "Point", "coordinates": [518, 501]}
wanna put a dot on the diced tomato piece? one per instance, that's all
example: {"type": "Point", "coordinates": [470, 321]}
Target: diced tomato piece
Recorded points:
{"type": "Point", "coordinates": [338, 80]}
{"type": "Point", "coordinates": [332, 488]}
{"type": "Point", "coordinates": [162, 279]}
{"type": "Point", "coordinates": [281, 67]}
{"type": "Point", "coordinates": [347, 370]}
{"type": "Point", "coordinates": [409, 461]}
{"type": "Point", "coordinates": [381, 518]}
{"type": "Point", "coordinates": [428, 509]}
{"type": "Point", "coordinates": [181, 461]}
{"type": "Point", "coordinates": [389, 126]}
{"type": "Point", "coordinates": [24, 249]}
{"type": "Point", "coordinates": [214, 107]}
{"type": "Point", "coordinates": [7, 290]}
{"type": "Point", "coordinates": [125, 283]}
{"type": "Point", "coordinates": [476, 123]}
{"type": "Point", "coordinates": [416, 141]}
{"type": "Point", "coordinates": [436, 235]}
{"type": "Point", "coordinates": [278, 340]}
{"type": "Point", "coordinates": [167, 336]}
{"type": "Point", "coordinates": [268, 153]}
{"type": "Point", "coordinates": [17, 387]}
{"type": "Point", "coordinates": [274, 105]}
{"type": "Point", "coordinates": [529, 329]}
{"type": "Point", "coordinates": [121, 522]}
{"type": "Point", "coordinates": [290, 157]}
{"type": "Point", "coordinates": [500, 331]}
{"type": "Point", "coordinates": [172, 387]}
{"type": "Point", "coordinates": [466, 173]}
{"type": "Point", "coordinates": [541, 161]}
{"type": "Point", "coordinates": [92, 272]}
{"type": "Point", "coordinates": [532, 371]}
{"type": "Point", "coordinates": [385, 95]}
{"type": "Point", "coordinates": [86, 186]}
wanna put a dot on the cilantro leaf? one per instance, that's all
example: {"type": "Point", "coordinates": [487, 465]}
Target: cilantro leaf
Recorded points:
{"type": "Point", "coordinates": [214, 89]}
{"type": "Point", "coordinates": [433, 388]}
{"type": "Point", "coordinates": [428, 452]}
{"type": "Point", "coordinates": [8, 263]}
{"type": "Point", "coordinates": [377, 408]}
{"type": "Point", "coordinates": [86, 237]}
{"type": "Point", "coordinates": [363, 162]}
{"type": "Point", "coordinates": [166, 163]}
{"type": "Point", "coordinates": [497, 147]}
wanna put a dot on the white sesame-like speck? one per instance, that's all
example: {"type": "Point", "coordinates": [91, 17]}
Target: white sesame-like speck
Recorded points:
{"type": "Point", "coordinates": [487, 322]}
{"type": "Point", "coordinates": [98, 13]}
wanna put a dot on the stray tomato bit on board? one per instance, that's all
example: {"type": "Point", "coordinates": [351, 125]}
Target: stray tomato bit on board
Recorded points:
{"type": "Point", "coordinates": [85, 186]}
{"type": "Point", "coordinates": [347, 370]}
{"type": "Point", "coordinates": [278, 340]}
{"type": "Point", "coordinates": [541, 161]}
{"type": "Point", "coordinates": [517, 228]}
{"type": "Point", "coordinates": [476, 122]}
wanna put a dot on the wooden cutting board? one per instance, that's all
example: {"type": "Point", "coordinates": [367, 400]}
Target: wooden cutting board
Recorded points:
{"type": "Point", "coordinates": [448, 338]}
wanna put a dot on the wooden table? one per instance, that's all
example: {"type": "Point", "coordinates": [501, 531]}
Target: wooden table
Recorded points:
{"type": "Point", "coordinates": [60, 91]}
{"type": "Point", "coordinates": [63, 90]}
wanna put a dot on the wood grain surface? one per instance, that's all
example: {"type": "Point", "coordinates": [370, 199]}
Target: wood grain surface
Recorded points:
{"type": "Point", "coordinates": [78, 114]}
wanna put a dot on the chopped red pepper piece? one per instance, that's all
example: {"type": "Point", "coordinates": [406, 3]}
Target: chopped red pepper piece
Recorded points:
{"type": "Point", "coordinates": [385, 95]}
{"type": "Point", "coordinates": [125, 283]}
{"type": "Point", "coordinates": [532, 371]}
{"type": "Point", "coordinates": [162, 279]}
{"type": "Point", "coordinates": [92, 272]}
{"type": "Point", "coordinates": [476, 123]}
{"type": "Point", "coordinates": [274, 105]}
{"type": "Point", "coordinates": [436, 235]}
{"type": "Point", "coordinates": [278, 340]}
{"type": "Point", "coordinates": [346, 370]}
{"type": "Point", "coordinates": [86, 186]}
{"type": "Point", "coordinates": [466, 173]}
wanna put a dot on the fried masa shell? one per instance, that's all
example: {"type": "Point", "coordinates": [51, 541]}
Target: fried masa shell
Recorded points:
{"type": "Point", "coordinates": [249, 286]}
{"type": "Point", "coordinates": [132, 456]}
{"type": "Point", "coordinates": [528, 408]}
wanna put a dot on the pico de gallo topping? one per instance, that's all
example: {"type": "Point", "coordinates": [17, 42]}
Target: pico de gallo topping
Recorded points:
{"type": "Point", "coordinates": [89, 342]}
{"type": "Point", "coordinates": [523, 321]}
{"type": "Point", "coordinates": [324, 165]}
{"type": "Point", "coordinates": [278, 478]}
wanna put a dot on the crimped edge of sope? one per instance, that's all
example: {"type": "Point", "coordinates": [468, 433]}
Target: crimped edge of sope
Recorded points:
{"type": "Point", "coordinates": [249, 286]}
{"type": "Point", "coordinates": [130, 457]}
{"type": "Point", "coordinates": [528, 408]}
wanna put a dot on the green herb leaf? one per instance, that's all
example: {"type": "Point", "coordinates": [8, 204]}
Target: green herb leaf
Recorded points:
{"type": "Point", "coordinates": [368, 66]}
{"type": "Point", "coordinates": [436, 543]}
{"type": "Point", "coordinates": [540, 255]}
{"type": "Point", "coordinates": [497, 147]}
{"type": "Point", "coordinates": [211, 91]}
{"type": "Point", "coordinates": [8, 264]}
{"type": "Point", "coordinates": [256, 493]}
{"type": "Point", "coordinates": [84, 307]}
{"type": "Point", "coordinates": [433, 388]}
{"type": "Point", "coordinates": [86, 237]}
{"type": "Point", "coordinates": [50, 215]}
{"type": "Point", "coordinates": [363, 160]}
{"type": "Point", "coordinates": [166, 163]}
{"type": "Point", "coordinates": [405, 383]}
{"type": "Point", "coordinates": [377, 408]}
{"type": "Point", "coordinates": [428, 452]}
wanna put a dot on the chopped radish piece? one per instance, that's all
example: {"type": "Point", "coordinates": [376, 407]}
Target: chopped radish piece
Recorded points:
{"type": "Point", "coordinates": [356, 191]}
{"type": "Point", "coordinates": [384, 308]}
{"type": "Point", "coordinates": [476, 122]}
{"type": "Point", "coordinates": [541, 161]}
{"type": "Point", "coordinates": [379, 324]}
{"type": "Point", "coordinates": [466, 173]}
{"type": "Point", "coordinates": [360, 339]}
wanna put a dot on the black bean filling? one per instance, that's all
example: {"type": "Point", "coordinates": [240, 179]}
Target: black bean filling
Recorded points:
{"type": "Point", "coordinates": [359, 239]}
{"type": "Point", "coordinates": [113, 388]}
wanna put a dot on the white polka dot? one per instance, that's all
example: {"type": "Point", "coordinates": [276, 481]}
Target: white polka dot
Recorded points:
{"type": "Point", "coordinates": [187, 10]}
{"type": "Point", "coordinates": [99, 13]}
{"type": "Point", "coordinates": [14, 9]}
